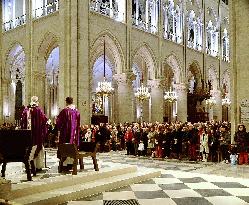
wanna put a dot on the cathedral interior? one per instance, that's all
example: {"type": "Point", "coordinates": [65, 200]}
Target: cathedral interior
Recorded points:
{"type": "Point", "coordinates": [127, 61]}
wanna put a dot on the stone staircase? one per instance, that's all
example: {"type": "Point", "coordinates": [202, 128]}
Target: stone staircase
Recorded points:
{"type": "Point", "coordinates": [60, 189]}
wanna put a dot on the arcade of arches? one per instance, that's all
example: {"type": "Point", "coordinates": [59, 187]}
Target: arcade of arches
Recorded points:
{"type": "Point", "coordinates": [179, 45]}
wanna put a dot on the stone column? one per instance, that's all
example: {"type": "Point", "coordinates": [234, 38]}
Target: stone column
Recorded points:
{"type": "Point", "coordinates": [84, 71]}
{"type": "Point", "coordinates": [181, 91]}
{"type": "Point", "coordinates": [239, 43]}
{"type": "Point", "coordinates": [217, 108]}
{"type": "Point", "coordinates": [28, 54]}
{"type": "Point", "coordinates": [1, 67]}
{"type": "Point", "coordinates": [156, 100]}
{"type": "Point", "coordinates": [125, 107]}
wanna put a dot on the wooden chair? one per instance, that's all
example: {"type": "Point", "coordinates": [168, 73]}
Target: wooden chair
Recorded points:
{"type": "Point", "coordinates": [89, 149]}
{"type": "Point", "coordinates": [70, 150]}
{"type": "Point", "coordinates": [15, 146]}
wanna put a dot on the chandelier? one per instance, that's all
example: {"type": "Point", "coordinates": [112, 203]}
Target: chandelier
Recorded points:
{"type": "Point", "coordinates": [226, 101]}
{"type": "Point", "coordinates": [142, 93]}
{"type": "Point", "coordinates": [170, 96]}
{"type": "Point", "coordinates": [104, 88]}
{"type": "Point", "coordinates": [210, 102]}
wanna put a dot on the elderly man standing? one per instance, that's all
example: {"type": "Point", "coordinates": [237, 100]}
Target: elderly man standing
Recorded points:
{"type": "Point", "coordinates": [33, 118]}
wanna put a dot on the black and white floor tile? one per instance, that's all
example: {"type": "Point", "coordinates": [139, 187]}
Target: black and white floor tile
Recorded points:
{"type": "Point", "coordinates": [181, 182]}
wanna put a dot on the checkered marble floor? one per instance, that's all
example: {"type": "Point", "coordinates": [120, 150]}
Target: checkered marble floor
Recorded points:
{"type": "Point", "coordinates": [181, 182]}
{"type": "Point", "coordinates": [177, 188]}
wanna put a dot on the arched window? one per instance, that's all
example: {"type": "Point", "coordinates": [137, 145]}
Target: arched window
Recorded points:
{"type": "Point", "coordinates": [145, 14]}
{"type": "Point", "coordinates": [225, 46]}
{"type": "Point", "coordinates": [191, 30]}
{"type": "Point", "coordinates": [52, 74]}
{"type": "Point", "coordinates": [195, 31]}
{"type": "Point", "coordinates": [172, 22]}
{"type": "Point", "coordinates": [212, 40]}
{"type": "Point", "coordinates": [209, 37]}
{"type": "Point", "coordinates": [199, 29]}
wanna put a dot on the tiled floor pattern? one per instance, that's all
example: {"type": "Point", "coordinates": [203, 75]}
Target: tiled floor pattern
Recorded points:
{"type": "Point", "coordinates": [177, 188]}
{"type": "Point", "coordinates": [181, 182]}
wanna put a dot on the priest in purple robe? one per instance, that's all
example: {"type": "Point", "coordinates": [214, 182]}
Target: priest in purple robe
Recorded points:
{"type": "Point", "coordinates": [68, 123]}
{"type": "Point", "coordinates": [33, 118]}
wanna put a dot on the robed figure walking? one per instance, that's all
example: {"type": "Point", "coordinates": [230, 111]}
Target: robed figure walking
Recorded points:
{"type": "Point", "coordinates": [33, 118]}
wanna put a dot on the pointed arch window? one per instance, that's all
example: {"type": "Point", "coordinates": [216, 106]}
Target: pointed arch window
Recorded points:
{"type": "Point", "coordinates": [195, 31]}
{"type": "Point", "coordinates": [172, 21]}
{"type": "Point", "coordinates": [225, 46]}
{"type": "Point", "coordinates": [114, 9]}
{"type": "Point", "coordinates": [145, 15]}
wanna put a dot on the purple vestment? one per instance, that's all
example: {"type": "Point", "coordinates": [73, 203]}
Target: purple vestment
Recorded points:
{"type": "Point", "coordinates": [68, 123]}
{"type": "Point", "coordinates": [38, 125]}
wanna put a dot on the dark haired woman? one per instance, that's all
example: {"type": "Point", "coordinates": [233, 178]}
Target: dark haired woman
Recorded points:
{"type": "Point", "coordinates": [241, 138]}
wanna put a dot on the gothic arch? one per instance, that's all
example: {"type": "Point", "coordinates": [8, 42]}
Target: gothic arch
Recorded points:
{"type": "Point", "coordinates": [172, 62]}
{"type": "Point", "coordinates": [145, 54]}
{"type": "Point", "coordinates": [225, 83]}
{"type": "Point", "coordinates": [213, 77]}
{"type": "Point", "coordinates": [48, 43]}
{"type": "Point", "coordinates": [15, 57]}
{"type": "Point", "coordinates": [11, 56]}
{"type": "Point", "coordinates": [194, 69]}
{"type": "Point", "coordinates": [113, 51]}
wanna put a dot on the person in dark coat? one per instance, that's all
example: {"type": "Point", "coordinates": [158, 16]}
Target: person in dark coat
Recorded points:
{"type": "Point", "coordinates": [102, 136]}
{"type": "Point", "coordinates": [192, 141]}
{"type": "Point", "coordinates": [241, 139]}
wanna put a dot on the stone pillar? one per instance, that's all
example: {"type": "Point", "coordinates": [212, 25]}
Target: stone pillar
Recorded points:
{"type": "Point", "coordinates": [156, 100]}
{"type": "Point", "coordinates": [28, 54]}
{"type": "Point", "coordinates": [239, 28]}
{"type": "Point", "coordinates": [181, 91]}
{"type": "Point", "coordinates": [125, 103]}
{"type": "Point", "coordinates": [1, 67]}
{"type": "Point", "coordinates": [84, 71]}
{"type": "Point", "coordinates": [210, 113]}
{"type": "Point", "coordinates": [5, 189]}
{"type": "Point", "coordinates": [217, 108]}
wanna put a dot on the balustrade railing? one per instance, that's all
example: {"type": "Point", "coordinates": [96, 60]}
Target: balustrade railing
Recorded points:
{"type": "Point", "coordinates": [11, 24]}
{"type": "Point", "coordinates": [107, 9]}
{"type": "Point", "coordinates": [143, 25]}
{"type": "Point", "coordinates": [46, 9]}
{"type": "Point", "coordinates": [173, 37]}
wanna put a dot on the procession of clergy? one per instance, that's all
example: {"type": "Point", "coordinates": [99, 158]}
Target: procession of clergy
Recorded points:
{"type": "Point", "coordinates": [67, 122]}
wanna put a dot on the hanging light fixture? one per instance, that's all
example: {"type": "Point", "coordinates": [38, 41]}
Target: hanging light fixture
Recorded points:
{"type": "Point", "coordinates": [170, 96]}
{"type": "Point", "coordinates": [142, 92]}
{"type": "Point", "coordinates": [226, 101]}
{"type": "Point", "coordinates": [104, 88]}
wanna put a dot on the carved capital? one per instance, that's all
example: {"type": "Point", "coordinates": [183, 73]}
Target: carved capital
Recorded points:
{"type": "Point", "coordinates": [120, 78]}
{"type": "Point", "coordinates": [39, 75]}
{"type": "Point", "coordinates": [130, 76]}
{"type": "Point", "coordinates": [6, 80]}
{"type": "Point", "coordinates": [215, 93]}
{"type": "Point", "coordinates": [180, 87]}
{"type": "Point", "coordinates": [155, 83]}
